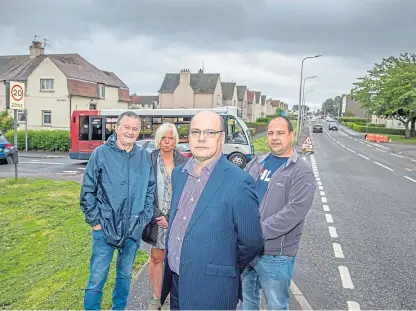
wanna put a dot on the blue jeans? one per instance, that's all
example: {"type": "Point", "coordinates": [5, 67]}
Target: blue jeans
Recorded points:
{"type": "Point", "coordinates": [101, 257]}
{"type": "Point", "coordinates": [273, 274]}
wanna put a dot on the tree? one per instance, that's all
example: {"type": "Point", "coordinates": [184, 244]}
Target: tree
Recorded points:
{"type": "Point", "coordinates": [329, 107]}
{"type": "Point", "coordinates": [278, 112]}
{"type": "Point", "coordinates": [6, 121]}
{"type": "Point", "coordinates": [388, 90]}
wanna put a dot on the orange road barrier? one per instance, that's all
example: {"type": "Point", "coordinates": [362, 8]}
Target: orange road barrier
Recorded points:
{"type": "Point", "coordinates": [377, 138]}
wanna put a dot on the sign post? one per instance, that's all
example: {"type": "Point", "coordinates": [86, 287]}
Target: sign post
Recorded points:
{"type": "Point", "coordinates": [16, 102]}
{"type": "Point", "coordinates": [307, 145]}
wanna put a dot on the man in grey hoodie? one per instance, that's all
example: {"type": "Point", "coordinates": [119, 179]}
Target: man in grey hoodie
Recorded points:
{"type": "Point", "coordinates": [285, 187]}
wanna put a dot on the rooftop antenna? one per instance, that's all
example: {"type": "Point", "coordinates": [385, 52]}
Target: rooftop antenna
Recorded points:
{"type": "Point", "coordinates": [46, 43]}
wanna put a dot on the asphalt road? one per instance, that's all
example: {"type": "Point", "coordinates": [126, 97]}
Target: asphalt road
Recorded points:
{"type": "Point", "coordinates": [358, 247]}
{"type": "Point", "coordinates": [61, 168]}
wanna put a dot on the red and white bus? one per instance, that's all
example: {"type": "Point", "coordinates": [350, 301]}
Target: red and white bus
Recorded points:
{"type": "Point", "coordinates": [91, 128]}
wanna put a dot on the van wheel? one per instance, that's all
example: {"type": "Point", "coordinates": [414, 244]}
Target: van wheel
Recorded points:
{"type": "Point", "coordinates": [238, 159]}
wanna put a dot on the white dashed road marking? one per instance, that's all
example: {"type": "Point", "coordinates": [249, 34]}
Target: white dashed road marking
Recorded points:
{"type": "Point", "coordinates": [396, 155]}
{"type": "Point", "coordinates": [381, 150]}
{"type": "Point", "coordinates": [390, 169]}
{"type": "Point", "coordinates": [324, 200]}
{"type": "Point", "coordinates": [338, 250]}
{"type": "Point", "coordinates": [326, 208]}
{"type": "Point", "coordinates": [322, 193]}
{"type": "Point", "coordinates": [411, 179]}
{"type": "Point", "coordinates": [333, 232]}
{"type": "Point", "coordinates": [363, 156]}
{"type": "Point", "coordinates": [345, 277]}
{"type": "Point", "coordinates": [353, 306]}
{"type": "Point", "coordinates": [329, 218]}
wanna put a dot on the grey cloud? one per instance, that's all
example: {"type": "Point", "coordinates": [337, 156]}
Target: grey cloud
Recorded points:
{"type": "Point", "coordinates": [351, 28]}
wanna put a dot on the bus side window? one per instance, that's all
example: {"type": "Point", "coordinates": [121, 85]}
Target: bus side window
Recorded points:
{"type": "Point", "coordinates": [235, 133]}
{"type": "Point", "coordinates": [83, 127]}
{"type": "Point", "coordinates": [96, 129]}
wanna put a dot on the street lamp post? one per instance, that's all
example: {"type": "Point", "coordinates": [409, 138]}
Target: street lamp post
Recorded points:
{"type": "Point", "coordinates": [303, 101]}
{"type": "Point", "coordinates": [300, 96]}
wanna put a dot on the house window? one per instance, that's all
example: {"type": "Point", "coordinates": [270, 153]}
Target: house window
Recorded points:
{"type": "Point", "coordinates": [46, 84]}
{"type": "Point", "coordinates": [47, 117]}
{"type": "Point", "coordinates": [93, 106]}
{"type": "Point", "coordinates": [101, 89]}
{"type": "Point", "coordinates": [21, 116]}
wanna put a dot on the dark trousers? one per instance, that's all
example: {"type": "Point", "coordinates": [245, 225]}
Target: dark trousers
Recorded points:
{"type": "Point", "coordinates": [174, 292]}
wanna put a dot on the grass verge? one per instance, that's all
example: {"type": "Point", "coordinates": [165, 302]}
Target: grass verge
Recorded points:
{"type": "Point", "coordinates": [46, 246]}
{"type": "Point", "coordinates": [402, 139]}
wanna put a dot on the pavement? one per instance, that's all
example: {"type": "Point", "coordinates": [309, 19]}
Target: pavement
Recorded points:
{"type": "Point", "coordinates": [405, 149]}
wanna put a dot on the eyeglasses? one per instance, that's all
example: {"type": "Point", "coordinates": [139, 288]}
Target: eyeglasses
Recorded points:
{"type": "Point", "coordinates": [207, 133]}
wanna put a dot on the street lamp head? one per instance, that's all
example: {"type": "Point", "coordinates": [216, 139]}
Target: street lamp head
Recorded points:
{"type": "Point", "coordinates": [318, 55]}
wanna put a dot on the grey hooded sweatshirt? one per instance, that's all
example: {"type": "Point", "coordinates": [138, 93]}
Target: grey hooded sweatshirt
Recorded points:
{"type": "Point", "coordinates": [285, 204]}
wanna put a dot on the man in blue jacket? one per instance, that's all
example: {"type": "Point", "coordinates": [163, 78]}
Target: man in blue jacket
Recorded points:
{"type": "Point", "coordinates": [214, 230]}
{"type": "Point", "coordinates": [285, 186]}
{"type": "Point", "coordinates": [117, 199]}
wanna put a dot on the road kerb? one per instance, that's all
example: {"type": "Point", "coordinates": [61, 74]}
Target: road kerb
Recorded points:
{"type": "Point", "coordinates": [139, 273]}
{"type": "Point", "coordinates": [304, 304]}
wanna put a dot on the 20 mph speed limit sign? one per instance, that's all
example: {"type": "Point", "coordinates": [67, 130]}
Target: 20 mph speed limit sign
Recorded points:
{"type": "Point", "coordinates": [17, 95]}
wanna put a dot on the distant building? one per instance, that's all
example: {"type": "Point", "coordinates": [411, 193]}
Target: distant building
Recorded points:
{"type": "Point", "coordinates": [353, 107]}
{"type": "Point", "coordinates": [191, 90]}
{"type": "Point", "coordinates": [58, 84]}
{"type": "Point", "coordinates": [242, 100]}
{"type": "Point", "coordinates": [144, 102]}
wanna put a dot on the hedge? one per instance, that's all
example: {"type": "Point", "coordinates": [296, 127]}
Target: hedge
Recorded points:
{"type": "Point", "coordinates": [375, 130]}
{"type": "Point", "coordinates": [42, 140]}
{"type": "Point", "coordinates": [354, 120]}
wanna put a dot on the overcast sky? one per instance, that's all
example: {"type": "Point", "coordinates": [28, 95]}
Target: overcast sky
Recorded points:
{"type": "Point", "coordinates": [257, 43]}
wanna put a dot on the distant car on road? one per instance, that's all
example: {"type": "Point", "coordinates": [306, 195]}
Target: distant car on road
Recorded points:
{"type": "Point", "coordinates": [333, 126]}
{"type": "Point", "coordinates": [317, 128]}
{"type": "Point", "coordinates": [4, 144]}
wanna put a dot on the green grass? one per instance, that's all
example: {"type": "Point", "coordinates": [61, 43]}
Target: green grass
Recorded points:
{"type": "Point", "coordinates": [260, 144]}
{"type": "Point", "coordinates": [402, 139]}
{"type": "Point", "coordinates": [46, 246]}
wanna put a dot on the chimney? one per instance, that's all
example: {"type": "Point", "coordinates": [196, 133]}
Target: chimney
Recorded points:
{"type": "Point", "coordinates": [201, 71]}
{"type": "Point", "coordinates": [36, 49]}
{"type": "Point", "coordinates": [185, 77]}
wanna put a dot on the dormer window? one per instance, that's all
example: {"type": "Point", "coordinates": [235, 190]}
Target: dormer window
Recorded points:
{"type": "Point", "coordinates": [101, 89]}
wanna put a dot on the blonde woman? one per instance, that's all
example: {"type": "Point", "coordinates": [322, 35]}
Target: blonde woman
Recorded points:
{"type": "Point", "coordinates": [164, 159]}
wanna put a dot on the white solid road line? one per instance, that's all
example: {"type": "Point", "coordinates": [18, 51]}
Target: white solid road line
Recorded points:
{"type": "Point", "coordinates": [345, 277]}
{"type": "Point", "coordinates": [322, 193]}
{"type": "Point", "coordinates": [390, 169]}
{"type": "Point", "coordinates": [353, 306]}
{"type": "Point", "coordinates": [411, 179]}
{"type": "Point", "coordinates": [329, 218]}
{"type": "Point", "coordinates": [326, 208]}
{"type": "Point", "coordinates": [303, 303]}
{"type": "Point", "coordinates": [363, 156]}
{"type": "Point", "coordinates": [396, 155]}
{"type": "Point", "coordinates": [338, 250]}
{"type": "Point", "coordinates": [333, 232]}
{"type": "Point", "coordinates": [323, 199]}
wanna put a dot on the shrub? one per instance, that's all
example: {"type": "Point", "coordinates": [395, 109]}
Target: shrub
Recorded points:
{"type": "Point", "coordinates": [42, 140]}
{"type": "Point", "coordinates": [376, 130]}
{"type": "Point", "coordinates": [354, 120]}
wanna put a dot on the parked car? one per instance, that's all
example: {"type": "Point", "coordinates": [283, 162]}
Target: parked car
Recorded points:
{"type": "Point", "coordinates": [149, 145]}
{"type": "Point", "coordinates": [4, 144]}
{"type": "Point", "coordinates": [184, 149]}
{"type": "Point", "coordinates": [317, 128]}
{"type": "Point", "coordinates": [333, 126]}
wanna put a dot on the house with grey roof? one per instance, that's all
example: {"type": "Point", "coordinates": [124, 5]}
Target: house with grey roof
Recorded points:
{"type": "Point", "coordinates": [145, 102]}
{"type": "Point", "coordinates": [242, 100]}
{"type": "Point", "coordinates": [257, 107]}
{"type": "Point", "coordinates": [263, 110]}
{"type": "Point", "coordinates": [229, 94]}
{"type": "Point", "coordinates": [58, 84]}
{"type": "Point", "coordinates": [191, 90]}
